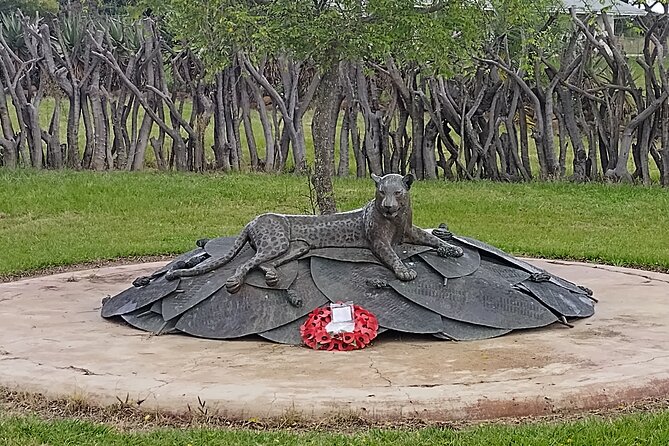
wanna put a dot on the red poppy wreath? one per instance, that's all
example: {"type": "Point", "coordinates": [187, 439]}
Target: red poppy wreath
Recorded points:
{"type": "Point", "coordinates": [316, 336]}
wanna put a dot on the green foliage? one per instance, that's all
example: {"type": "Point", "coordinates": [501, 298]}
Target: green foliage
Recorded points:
{"type": "Point", "coordinates": [73, 28]}
{"type": "Point", "coordinates": [214, 30]}
{"type": "Point", "coordinates": [11, 27]}
{"type": "Point", "coordinates": [60, 218]}
{"type": "Point", "coordinates": [525, 31]}
{"type": "Point", "coordinates": [439, 36]}
{"type": "Point", "coordinates": [124, 34]}
{"type": "Point", "coordinates": [12, 30]}
{"type": "Point", "coordinates": [30, 7]}
{"type": "Point", "coordinates": [439, 41]}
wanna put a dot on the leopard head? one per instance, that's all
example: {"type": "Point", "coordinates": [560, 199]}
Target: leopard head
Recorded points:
{"type": "Point", "coordinates": [392, 194]}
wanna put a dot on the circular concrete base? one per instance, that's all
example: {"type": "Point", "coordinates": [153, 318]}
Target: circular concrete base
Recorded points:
{"type": "Point", "coordinates": [54, 341]}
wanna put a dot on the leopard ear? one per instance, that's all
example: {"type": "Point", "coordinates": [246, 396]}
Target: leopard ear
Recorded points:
{"type": "Point", "coordinates": [408, 180]}
{"type": "Point", "coordinates": [376, 178]}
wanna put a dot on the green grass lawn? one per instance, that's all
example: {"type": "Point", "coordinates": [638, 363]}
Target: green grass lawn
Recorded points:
{"type": "Point", "coordinates": [632, 430]}
{"type": "Point", "coordinates": [60, 218]}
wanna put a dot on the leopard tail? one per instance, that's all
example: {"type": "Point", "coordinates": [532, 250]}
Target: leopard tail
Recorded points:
{"type": "Point", "coordinates": [208, 266]}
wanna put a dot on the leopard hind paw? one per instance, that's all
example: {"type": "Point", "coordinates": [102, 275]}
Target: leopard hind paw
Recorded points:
{"type": "Point", "coordinates": [271, 277]}
{"type": "Point", "coordinates": [293, 298]}
{"type": "Point", "coordinates": [233, 284]}
{"type": "Point", "coordinates": [450, 251]}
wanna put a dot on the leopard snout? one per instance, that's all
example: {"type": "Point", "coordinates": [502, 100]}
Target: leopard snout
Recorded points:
{"type": "Point", "coordinates": [389, 205]}
{"type": "Point", "coordinates": [390, 211]}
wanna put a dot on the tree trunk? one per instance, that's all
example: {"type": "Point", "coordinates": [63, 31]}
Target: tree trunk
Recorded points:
{"type": "Point", "coordinates": [342, 168]}
{"type": "Point", "coordinates": [89, 130]}
{"type": "Point", "coordinates": [429, 149]}
{"type": "Point", "coordinates": [417, 113]}
{"type": "Point", "coordinates": [9, 155]}
{"type": "Point", "coordinates": [643, 150]}
{"type": "Point", "coordinates": [54, 154]}
{"type": "Point", "coordinates": [349, 81]}
{"type": "Point", "coordinates": [323, 128]}
{"type": "Point", "coordinates": [270, 161]}
{"type": "Point", "coordinates": [150, 77]}
{"type": "Point", "coordinates": [570, 124]}
{"type": "Point", "coordinates": [372, 144]}
{"type": "Point", "coordinates": [563, 145]}
{"type": "Point", "coordinates": [98, 161]}
{"type": "Point", "coordinates": [118, 127]}
{"type": "Point", "coordinates": [232, 119]}
{"type": "Point", "coordinates": [221, 145]}
{"type": "Point", "coordinates": [34, 135]}
{"type": "Point", "coordinates": [516, 103]}
{"type": "Point", "coordinates": [664, 141]}
{"type": "Point", "coordinates": [248, 128]}
{"type": "Point", "coordinates": [400, 139]}
{"type": "Point", "coordinates": [524, 141]}
{"type": "Point", "coordinates": [620, 172]}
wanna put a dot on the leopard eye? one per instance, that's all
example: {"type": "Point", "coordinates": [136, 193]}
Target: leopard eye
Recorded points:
{"type": "Point", "coordinates": [398, 193]}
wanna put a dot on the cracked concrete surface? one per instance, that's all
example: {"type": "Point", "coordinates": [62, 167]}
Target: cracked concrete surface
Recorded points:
{"type": "Point", "coordinates": [54, 341]}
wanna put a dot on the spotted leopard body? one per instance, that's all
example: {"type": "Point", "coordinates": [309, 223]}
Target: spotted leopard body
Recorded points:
{"type": "Point", "coordinates": [381, 224]}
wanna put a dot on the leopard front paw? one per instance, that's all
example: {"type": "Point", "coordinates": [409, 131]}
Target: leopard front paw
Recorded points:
{"type": "Point", "coordinates": [442, 232]}
{"type": "Point", "coordinates": [587, 290]}
{"type": "Point", "coordinates": [141, 281]}
{"type": "Point", "coordinates": [405, 274]}
{"type": "Point", "coordinates": [172, 275]}
{"type": "Point", "coordinates": [450, 251]}
{"type": "Point", "coordinates": [195, 260]}
{"type": "Point", "coordinates": [540, 277]}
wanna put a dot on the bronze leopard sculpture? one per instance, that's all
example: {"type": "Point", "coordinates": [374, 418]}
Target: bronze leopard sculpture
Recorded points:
{"type": "Point", "coordinates": [381, 224]}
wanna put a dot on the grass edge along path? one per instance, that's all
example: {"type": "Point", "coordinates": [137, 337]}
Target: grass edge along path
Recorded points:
{"type": "Point", "coordinates": [33, 419]}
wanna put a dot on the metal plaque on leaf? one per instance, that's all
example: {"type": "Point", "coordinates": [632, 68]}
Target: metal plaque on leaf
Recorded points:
{"type": "Point", "coordinates": [354, 255]}
{"type": "Point", "coordinates": [250, 310]}
{"type": "Point", "coordinates": [454, 267]}
{"type": "Point", "coordinates": [364, 255]}
{"type": "Point", "coordinates": [149, 321]}
{"type": "Point", "coordinates": [463, 331]}
{"type": "Point", "coordinates": [482, 298]}
{"type": "Point", "coordinates": [343, 282]}
{"type": "Point", "coordinates": [499, 253]}
{"type": "Point", "coordinates": [195, 289]}
{"type": "Point", "coordinates": [138, 297]}
{"type": "Point", "coordinates": [508, 272]}
{"type": "Point", "coordinates": [560, 299]}
{"type": "Point", "coordinates": [521, 263]}
{"type": "Point", "coordinates": [567, 285]}
{"type": "Point", "coordinates": [286, 334]}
